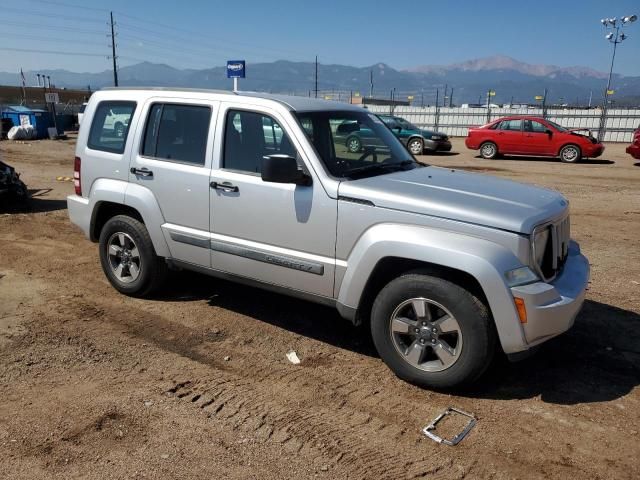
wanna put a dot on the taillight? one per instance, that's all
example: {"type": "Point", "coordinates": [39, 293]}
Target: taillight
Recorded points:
{"type": "Point", "coordinates": [76, 176]}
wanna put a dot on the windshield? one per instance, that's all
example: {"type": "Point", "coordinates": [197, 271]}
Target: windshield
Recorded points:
{"type": "Point", "coordinates": [406, 125]}
{"type": "Point", "coordinates": [560, 128]}
{"type": "Point", "coordinates": [354, 144]}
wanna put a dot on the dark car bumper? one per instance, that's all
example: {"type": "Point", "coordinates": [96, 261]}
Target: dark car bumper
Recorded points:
{"type": "Point", "coordinates": [634, 150]}
{"type": "Point", "coordinates": [437, 145]}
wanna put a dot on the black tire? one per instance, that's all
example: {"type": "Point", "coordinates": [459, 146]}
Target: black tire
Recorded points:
{"type": "Point", "coordinates": [354, 144]}
{"type": "Point", "coordinates": [489, 150]}
{"type": "Point", "coordinates": [415, 146]}
{"type": "Point", "coordinates": [570, 154]}
{"type": "Point", "coordinates": [472, 316]}
{"type": "Point", "coordinates": [152, 270]}
{"type": "Point", "coordinates": [118, 129]}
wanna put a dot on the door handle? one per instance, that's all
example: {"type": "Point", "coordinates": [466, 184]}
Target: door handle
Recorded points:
{"type": "Point", "coordinates": [224, 186]}
{"type": "Point", "coordinates": [142, 172]}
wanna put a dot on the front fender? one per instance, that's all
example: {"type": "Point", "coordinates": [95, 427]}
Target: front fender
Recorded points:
{"type": "Point", "coordinates": [486, 261]}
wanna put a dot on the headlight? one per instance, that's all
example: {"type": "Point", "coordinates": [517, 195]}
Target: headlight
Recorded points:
{"type": "Point", "coordinates": [436, 137]}
{"type": "Point", "coordinates": [540, 239]}
{"type": "Point", "coordinates": [520, 276]}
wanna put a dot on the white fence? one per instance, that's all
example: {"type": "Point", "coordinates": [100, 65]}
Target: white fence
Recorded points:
{"type": "Point", "coordinates": [455, 121]}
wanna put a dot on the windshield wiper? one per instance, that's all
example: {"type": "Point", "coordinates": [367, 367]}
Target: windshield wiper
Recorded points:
{"type": "Point", "coordinates": [377, 167]}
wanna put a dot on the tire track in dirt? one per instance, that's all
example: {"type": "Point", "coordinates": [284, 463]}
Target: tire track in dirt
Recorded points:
{"type": "Point", "coordinates": [336, 425]}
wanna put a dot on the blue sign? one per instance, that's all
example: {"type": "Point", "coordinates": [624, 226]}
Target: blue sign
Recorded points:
{"type": "Point", "coordinates": [235, 69]}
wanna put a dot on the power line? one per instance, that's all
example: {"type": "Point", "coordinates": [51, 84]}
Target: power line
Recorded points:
{"type": "Point", "coordinates": [52, 52]}
{"type": "Point", "coordinates": [48, 39]}
{"type": "Point", "coordinates": [53, 27]}
{"type": "Point", "coordinates": [51, 15]}
{"type": "Point", "coordinates": [68, 5]}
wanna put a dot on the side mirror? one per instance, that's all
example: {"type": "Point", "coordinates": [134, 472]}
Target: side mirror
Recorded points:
{"type": "Point", "coordinates": [548, 132]}
{"type": "Point", "coordinates": [398, 128]}
{"type": "Point", "coordinates": [281, 168]}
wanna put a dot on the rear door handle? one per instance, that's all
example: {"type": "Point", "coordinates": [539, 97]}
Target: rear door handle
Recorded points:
{"type": "Point", "coordinates": [142, 172]}
{"type": "Point", "coordinates": [224, 186]}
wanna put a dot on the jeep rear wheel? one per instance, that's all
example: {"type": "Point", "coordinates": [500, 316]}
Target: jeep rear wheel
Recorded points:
{"type": "Point", "coordinates": [128, 258]}
{"type": "Point", "coordinates": [432, 332]}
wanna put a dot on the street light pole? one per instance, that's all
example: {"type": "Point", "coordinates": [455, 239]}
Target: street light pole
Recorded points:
{"type": "Point", "coordinates": [615, 36]}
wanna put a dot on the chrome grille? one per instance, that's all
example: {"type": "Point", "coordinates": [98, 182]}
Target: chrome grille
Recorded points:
{"type": "Point", "coordinates": [556, 250]}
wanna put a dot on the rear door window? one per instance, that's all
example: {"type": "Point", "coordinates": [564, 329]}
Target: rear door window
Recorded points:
{"type": "Point", "coordinates": [512, 125]}
{"type": "Point", "coordinates": [110, 126]}
{"type": "Point", "coordinates": [177, 133]}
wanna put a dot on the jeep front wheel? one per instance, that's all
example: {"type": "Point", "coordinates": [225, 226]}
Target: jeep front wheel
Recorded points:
{"type": "Point", "coordinates": [432, 332]}
{"type": "Point", "coordinates": [128, 258]}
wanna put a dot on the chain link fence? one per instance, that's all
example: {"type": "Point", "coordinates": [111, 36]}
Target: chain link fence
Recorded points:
{"type": "Point", "coordinates": [619, 124]}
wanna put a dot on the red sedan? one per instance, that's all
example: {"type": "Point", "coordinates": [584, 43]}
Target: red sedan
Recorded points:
{"type": "Point", "coordinates": [535, 136]}
{"type": "Point", "coordinates": [634, 148]}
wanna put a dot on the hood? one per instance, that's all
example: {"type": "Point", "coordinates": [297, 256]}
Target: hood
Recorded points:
{"type": "Point", "coordinates": [462, 196]}
{"type": "Point", "coordinates": [430, 133]}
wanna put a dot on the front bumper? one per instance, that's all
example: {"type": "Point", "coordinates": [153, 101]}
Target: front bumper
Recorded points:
{"type": "Point", "coordinates": [437, 145]}
{"type": "Point", "coordinates": [634, 150]}
{"type": "Point", "coordinates": [593, 151]}
{"type": "Point", "coordinates": [552, 307]}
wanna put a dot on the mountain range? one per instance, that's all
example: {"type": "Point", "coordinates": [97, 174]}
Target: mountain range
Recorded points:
{"type": "Point", "coordinates": [470, 80]}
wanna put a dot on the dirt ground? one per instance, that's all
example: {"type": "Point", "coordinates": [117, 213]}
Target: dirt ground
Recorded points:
{"type": "Point", "coordinates": [195, 384]}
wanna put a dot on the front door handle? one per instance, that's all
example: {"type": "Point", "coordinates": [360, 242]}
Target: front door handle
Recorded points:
{"type": "Point", "coordinates": [143, 172]}
{"type": "Point", "coordinates": [224, 186]}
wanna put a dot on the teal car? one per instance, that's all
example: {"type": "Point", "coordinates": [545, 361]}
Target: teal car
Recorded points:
{"type": "Point", "coordinates": [417, 140]}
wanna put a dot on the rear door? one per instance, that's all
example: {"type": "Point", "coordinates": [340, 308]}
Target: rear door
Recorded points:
{"type": "Point", "coordinates": [172, 159]}
{"type": "Point", "coordinates": [509, 137]}
{"type": "Point", "coordinates": [282, 234]}
{"type": "Point", "coordinates": [536, 139]}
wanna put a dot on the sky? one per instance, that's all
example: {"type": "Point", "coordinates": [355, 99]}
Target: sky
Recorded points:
{"type": "Point", "coordinates": [74, 34]}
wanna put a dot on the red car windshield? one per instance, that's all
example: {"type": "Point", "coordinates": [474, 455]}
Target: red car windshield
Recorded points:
{"type": "Point", "coordinates": [560, 128]}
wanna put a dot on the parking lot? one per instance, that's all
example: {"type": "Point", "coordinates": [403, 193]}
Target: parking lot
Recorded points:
{"type": "Point", "coordinates": [196, 383]}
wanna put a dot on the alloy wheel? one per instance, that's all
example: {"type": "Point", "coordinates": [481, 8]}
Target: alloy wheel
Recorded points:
{"type": "Point", "coordinates": [569, 154]}
{"type": "Point", "coordinates": [488, 150]}
{"type": "Point", "coordinates": [426, 334]}
{"type": "Point", "coordinates": [124, 257]}
{"type": "Point", "coordinates": [415, 147]}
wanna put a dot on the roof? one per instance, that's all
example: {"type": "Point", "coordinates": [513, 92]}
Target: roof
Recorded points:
{"type": "Point", "coordinates": [293, 102]}
{"type": "Point", "coordinates": [21, 109]}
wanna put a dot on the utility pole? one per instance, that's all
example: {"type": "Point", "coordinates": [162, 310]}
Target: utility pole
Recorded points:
{"type": "Point", "coordinates": [451, 98]}
{"type": "Point", "coordinates": [113, 52]}
{"type": "Point", "coordinates": [590, 97]}
{"type": "Point", "coordinates": [435, 126]}
{"type": "Point", "coordinates": [316, 89]}
{"type": "Point", "coordinates": [371, 83]}
{"type": "Point", "coordinates": [444, 98]}
{"type": "Point", "coordinates": [544, 104]}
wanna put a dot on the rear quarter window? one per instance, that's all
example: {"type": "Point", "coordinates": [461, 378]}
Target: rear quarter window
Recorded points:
{"type": "Point", "coordinates": [110, 126]}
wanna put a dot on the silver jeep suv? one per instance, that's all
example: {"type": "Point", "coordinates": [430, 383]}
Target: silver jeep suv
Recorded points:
{"type": "Point", "coordinates": [441, 264]}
